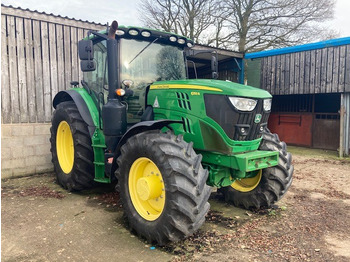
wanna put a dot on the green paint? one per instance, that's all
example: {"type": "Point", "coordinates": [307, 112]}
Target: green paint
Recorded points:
{"type": "Point", "coordinates": [246, 162]}
{"type": "Point", "coordinates": [99, 146]}
{"type": "Point", "coordinates": [98, 138]}
{"type": "Point", "coordinates": [219, 176]}
{"type": "Point", "coordinates": [225, 158]}
{"type": "Point", "coordinates": [90, 104]}
{"type": "Point", "coordinates": [224, 169]}
{"type": "Point", "coordinates": [205, 133]}
{"type": "Point", "coordinates": [227, 87]}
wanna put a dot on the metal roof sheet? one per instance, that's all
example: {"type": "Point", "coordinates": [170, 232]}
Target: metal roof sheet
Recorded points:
{"type": "Point", "coordinates": [299, 48]}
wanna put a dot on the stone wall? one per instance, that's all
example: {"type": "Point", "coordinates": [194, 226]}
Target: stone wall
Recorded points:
{"type": "Point", "coordinates": [25, 149]}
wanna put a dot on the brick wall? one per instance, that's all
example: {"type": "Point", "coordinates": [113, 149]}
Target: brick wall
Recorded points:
{"type": "Point", "coordinates": [25, 149]}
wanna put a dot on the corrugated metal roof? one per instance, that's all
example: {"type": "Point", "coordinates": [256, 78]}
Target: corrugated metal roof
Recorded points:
{"type": "Point", "coordinates": [51, 14]}
{"type": "Point", "coordinates": [300, 48]}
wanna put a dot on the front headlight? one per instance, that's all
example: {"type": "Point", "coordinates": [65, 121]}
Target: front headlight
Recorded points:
{"type": "Point", "coordinates": [243, 104]}
{"type": "Point", "coordinates": [267, 104]}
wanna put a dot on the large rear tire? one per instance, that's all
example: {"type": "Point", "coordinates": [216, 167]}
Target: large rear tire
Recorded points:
{"type": "Point", "coordinates": [72, 154]}
{"type": "Point", "coordinates": [269, 185]}
{"type": "Point", "coordinates": [162, 186]}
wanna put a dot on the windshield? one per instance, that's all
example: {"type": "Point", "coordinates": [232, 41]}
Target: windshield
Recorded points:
{"type": "Point", "coordinates": [145, 62]}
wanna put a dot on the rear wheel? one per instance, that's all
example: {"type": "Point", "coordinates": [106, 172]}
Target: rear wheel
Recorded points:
{"type": "Point", "coordinates": [162, 186]}
{"type": "Point", "coordinates": [72, 154]}
{"type": "Point", "coordinates": [269, 185]}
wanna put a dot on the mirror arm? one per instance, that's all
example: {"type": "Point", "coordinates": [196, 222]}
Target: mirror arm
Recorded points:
{"type": "Point", "coordinates": [91, 32]}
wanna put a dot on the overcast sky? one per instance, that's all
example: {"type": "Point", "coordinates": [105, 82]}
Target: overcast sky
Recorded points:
{"type": "Point", "coordinates": [125, 12]}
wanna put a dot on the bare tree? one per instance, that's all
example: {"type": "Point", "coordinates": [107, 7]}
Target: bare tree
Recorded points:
{"type": "Point", "coordinates": [246, 25]}
{"type": "Point", "coordinates": [261, 24]}
{"type": "Point", "coordinates": [191, 18]}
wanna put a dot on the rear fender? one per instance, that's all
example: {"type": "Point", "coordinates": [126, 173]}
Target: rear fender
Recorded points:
{"type": "Point", "coordinates": [84, 103]}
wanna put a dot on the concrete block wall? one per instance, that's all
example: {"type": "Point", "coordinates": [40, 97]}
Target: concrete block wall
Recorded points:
{"type": "Point", "coordinates": [25, 149]}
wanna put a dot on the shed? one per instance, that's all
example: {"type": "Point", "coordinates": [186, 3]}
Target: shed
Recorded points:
{"type": "Point", "coordinates": [311, 88]}
{"type": "Point", "coordinates": [230, 63]}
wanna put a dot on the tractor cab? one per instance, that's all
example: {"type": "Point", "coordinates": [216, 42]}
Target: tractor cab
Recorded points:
{"type": "Point", "coordinates": [144, 57]}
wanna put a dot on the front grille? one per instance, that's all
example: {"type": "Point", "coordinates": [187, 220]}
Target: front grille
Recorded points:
{"type": "Point", "coordinates": [220, 109]}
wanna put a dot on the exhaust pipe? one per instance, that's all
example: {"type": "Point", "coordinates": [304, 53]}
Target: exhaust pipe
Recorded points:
{"type": "Point", "coordinates": [114, 111]}
{"type": "Point", "coordinates": [113, 28]}
{"type": "Point", "coordinates": [113, 65]}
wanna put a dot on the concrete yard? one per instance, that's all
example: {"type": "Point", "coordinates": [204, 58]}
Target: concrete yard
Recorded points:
{"type": "Point", "coordinates": [42, 222]}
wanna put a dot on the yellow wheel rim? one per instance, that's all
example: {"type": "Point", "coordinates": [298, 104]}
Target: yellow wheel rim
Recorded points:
{"type": "Point", "coordinates": [65, 147]}
{"type": "Point", "coordinates": [247, 184]}
{"type": "Point", "coordinates": [146, 188]}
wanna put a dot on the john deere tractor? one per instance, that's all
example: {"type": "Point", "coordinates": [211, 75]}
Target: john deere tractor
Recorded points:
{"type": "Point", "coordinates": [136, 120]}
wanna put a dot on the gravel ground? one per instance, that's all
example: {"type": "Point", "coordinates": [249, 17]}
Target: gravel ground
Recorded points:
{"type": "Point", "coordinates": [42, 222]}
{"type": "Point", "coordinates": [311, 223]}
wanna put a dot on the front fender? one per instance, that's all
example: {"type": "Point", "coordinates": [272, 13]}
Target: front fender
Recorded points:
{"type": "Point", "coordinates": [84, 103]}
{"type": "Point", "coordinates": [139, 128]}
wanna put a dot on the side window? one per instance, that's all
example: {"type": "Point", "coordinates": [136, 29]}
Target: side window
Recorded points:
{"type": "Point", "coordinates": [97, 80]}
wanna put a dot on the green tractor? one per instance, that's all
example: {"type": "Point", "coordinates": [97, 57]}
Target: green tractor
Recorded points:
{"type": "Point", "coordinates": [164, 139]}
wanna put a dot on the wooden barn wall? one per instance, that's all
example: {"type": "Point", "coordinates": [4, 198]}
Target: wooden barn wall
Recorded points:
{"type": "Point", "coordinates": [38, 58]}
{"type": "Point", "coordinates": [316, 71]}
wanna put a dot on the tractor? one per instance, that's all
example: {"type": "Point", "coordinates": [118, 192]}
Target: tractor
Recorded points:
{"type": "Point", "coordinates": [137, 120]}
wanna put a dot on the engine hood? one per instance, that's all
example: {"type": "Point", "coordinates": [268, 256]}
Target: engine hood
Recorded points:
{"type": "Point", "coordinates": [213, 86]}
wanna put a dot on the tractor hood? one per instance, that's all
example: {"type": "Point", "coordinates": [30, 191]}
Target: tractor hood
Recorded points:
{"type": "Point", "coordinates": [214, 86]}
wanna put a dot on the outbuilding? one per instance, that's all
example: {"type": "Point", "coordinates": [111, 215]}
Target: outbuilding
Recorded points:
{"type": "Point", "coordinates": [311, 88]}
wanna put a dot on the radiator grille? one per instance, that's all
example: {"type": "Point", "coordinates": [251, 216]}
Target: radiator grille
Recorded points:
{"type": "Point", "coordinates": [233, 121]}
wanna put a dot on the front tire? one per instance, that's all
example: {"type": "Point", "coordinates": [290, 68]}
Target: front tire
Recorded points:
{"type": "Point", "coordinates": [162, 186]}
{"type": "Point", "coordinates": [72, 154]}
{"type": "Point", "coordinates": [269, 185]}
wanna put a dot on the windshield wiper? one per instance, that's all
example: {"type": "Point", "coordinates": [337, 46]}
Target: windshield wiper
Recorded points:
{"type": "Point", "coordinates": [139, 53]}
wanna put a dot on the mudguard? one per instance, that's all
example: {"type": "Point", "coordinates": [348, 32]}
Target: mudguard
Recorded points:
{"type": "Point", "coordinates": [84, 103]}
{"type": "Point", "coordinates": [139, 128]}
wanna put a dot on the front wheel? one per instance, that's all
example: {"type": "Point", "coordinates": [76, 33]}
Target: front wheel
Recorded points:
{"type": "Point", "coordinates": [162, 186]}
{"type": "Point", "coordinates": [269, 185]}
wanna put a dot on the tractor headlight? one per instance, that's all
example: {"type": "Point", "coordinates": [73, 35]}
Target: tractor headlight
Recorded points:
{"type": "Point", "coordinates": [243, 104]}
{"type": "Point", "coordinates": [267, 104]}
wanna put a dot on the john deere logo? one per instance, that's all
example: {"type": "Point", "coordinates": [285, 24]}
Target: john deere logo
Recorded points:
{"type": "Point", "coordinates": [257, 118]}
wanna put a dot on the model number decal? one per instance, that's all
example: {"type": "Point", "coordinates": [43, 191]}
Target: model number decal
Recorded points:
{"type": "Point", "coordinates": [195, 94]}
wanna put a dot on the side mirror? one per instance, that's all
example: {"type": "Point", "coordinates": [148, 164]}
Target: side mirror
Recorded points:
{"type": "Point", "coordinates": [214, 65]}
{"type": "Point", "coordinates": [86, 55]}
{"type": "Point", "coordinates": [87, 65]}
{"type": "Point", "coordinates": [86, 50]}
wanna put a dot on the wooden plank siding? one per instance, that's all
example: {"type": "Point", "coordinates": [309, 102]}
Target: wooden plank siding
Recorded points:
{"type": "Point", "coordinates": [39, 57]}
{"type": "Point", "coordinates": [5, 85]}
{"type": "Point", "coordinates": [325, 70]}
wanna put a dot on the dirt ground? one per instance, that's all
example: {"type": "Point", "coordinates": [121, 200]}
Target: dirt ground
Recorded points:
{"type": "Point", "coordinates": [42, 222]}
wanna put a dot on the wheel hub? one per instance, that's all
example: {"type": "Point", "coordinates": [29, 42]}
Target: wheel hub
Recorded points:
{"type": "Point", "coordinates": [149, 187]}
{"type": "Point", "coordinates": [146, 188]}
